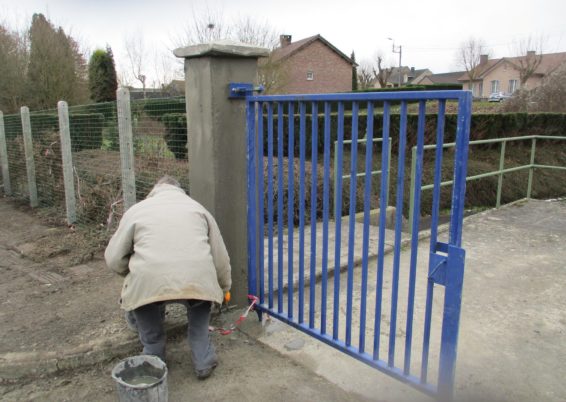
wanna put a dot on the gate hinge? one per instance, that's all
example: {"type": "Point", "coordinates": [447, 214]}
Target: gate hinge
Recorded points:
{"type": "Point", "coordinates": [452, 257]}
{"type": "Point", "coordinates": [239, 90]}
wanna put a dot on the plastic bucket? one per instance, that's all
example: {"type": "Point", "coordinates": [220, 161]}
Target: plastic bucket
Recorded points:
{"type": "Point", "coordinates": [141, 379]}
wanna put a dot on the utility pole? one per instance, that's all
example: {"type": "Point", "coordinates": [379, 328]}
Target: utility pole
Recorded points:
{"type": "Point", "coordinates": [399, 50]}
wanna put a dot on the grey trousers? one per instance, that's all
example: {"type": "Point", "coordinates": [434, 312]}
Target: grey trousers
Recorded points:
{"type": "Point", "coordinates": [149, 323]}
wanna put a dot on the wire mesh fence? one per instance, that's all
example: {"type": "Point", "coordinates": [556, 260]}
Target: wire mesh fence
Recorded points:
{"type": "Point", "coordinates": [160, 142]}
{"type": "Point", "coordinates": [159, 147]}
{"type": "Point", "coordinates": [16, 155]}
{"type": "Point", "coordinates": [95, 149]}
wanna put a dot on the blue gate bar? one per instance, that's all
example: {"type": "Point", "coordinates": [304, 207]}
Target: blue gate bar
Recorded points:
{"type": "Point", "coordinates": [280, 135]}
{"type": "Point", "coordinates": [352, 222]}
{"type": "Point", "coordinates": [383, 198]}
{"type": "Point", "coordinates": [260, 175]}
{"type": "Point", "coordinates": [460, 166]}
{"type": "Point", "coordinates": [252, 238]}
{"type": "Point", "coordinates": [290, 205]}
{"type": "Point", "coordinates": [314, 168]}
{"type": "Point", "coordinates": [338, 222]}
{"type": "Point", "coordinates": [433, 237]}
{"type": "Point", "coordinates": [398, 226]}
{"type": "Point", "coordinates": [349, 97]}
{"type": "Point", "coordinates": [325, 208]}
{"type": "Point", "coordinates": [365, 241]}
{"type": "Point", "coordinates": [456, 256]}
{"type": "Point", "coordinates": [270, 202]}
{"type": "Point", "coordinates": [302, 146]}
{"type": "Point", "coordinates": [415, 237]}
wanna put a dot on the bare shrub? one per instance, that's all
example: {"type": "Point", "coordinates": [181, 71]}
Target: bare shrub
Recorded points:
{"type": "Point", "coordinates": [549, 97]}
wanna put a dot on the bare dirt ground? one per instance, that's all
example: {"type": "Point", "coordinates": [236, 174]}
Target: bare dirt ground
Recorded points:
{"type": "Point", "coordinates": [62, 330]}
{"type": "Point", "coordinates": [46, 300]}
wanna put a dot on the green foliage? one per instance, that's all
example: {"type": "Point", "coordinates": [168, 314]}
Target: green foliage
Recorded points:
{"type": "Point", "coordinates": [56, 67]}
{"type": "Point", "coordinates": [102, 79]}
{"type": "Point", "coordinates": [176, 133]}
{"type": "Point", "coordinates": [156, 108]}
{"type": "Point", "coordinates": [86, 129]}
{"type": "Point", "coordinates": [354, 72]}
{"type": "Point", "coordinates": [13, 61]}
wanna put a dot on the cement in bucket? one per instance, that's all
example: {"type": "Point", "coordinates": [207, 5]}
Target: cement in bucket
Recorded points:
{"type": "Point", "coordinates": [141, 379]}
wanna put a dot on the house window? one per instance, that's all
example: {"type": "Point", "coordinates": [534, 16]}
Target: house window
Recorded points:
{"type": "Point", "coordinates": [480, 89]}
{"type": "Point", "coordinates": [512, 86]}
{"type": "Point", "coordinates": [310, 76]}
{"type": "Point", "coordinates": [494, 86]}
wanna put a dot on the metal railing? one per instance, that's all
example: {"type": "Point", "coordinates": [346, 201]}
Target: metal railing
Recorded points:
{"type": "Point", "coordinates": [499, 172]}
{"type": "Point", "coordinates": [361, 174]}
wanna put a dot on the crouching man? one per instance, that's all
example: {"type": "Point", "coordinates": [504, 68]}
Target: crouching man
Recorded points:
{"type": "Point", "coordinates": [169, 248]}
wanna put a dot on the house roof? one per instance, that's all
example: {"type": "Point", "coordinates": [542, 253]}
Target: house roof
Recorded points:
{"type": "Point", "coordinates": [411, 74]}
{"type": "Point", "coordinates": [549, 63]}
{"type": "Point", "coordinates": [294, 47]}
{"type": "Point", "coordinates": [446, 78]}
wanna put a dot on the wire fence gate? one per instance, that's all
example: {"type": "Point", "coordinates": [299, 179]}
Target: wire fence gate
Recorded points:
{"type": "Point", "coordinates": [358, 283]}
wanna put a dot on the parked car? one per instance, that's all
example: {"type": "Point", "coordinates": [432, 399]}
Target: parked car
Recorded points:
{"type": "Point", "coordinates": [498, 97]}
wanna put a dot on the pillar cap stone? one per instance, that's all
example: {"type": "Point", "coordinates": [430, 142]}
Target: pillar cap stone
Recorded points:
{"type": "Point", "coordinates": [221, 48]}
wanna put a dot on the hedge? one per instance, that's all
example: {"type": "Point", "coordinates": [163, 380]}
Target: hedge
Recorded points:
{"type": "Point", "coordinates": [86, 129]}
{"type": "Point", "coordinates": [157, 108]}
{"type": "Point", "coordinates": [483, 126]}
{"type": "Point", "coordinates": [176, 133]}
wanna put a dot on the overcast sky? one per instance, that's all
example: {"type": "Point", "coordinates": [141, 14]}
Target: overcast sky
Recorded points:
{"type": "Point", "coordinates": [428, 31]}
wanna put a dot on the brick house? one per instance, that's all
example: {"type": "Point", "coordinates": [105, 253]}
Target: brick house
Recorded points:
{"type": "Point", "coordinates": [310, 65]}
{"type": "Point", "coordinates": [504, 75]}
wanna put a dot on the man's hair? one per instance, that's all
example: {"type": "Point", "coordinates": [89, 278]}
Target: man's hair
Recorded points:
{"type": "Point", "coordinates": [168, 180]}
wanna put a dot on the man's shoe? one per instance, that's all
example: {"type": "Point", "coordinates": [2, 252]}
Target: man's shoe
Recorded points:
{"type": "Point", "coordinates": [204, 374]}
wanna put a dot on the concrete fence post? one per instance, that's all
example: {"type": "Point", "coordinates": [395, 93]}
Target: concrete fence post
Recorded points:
{"type": "Point", "coordinates": [4, 158]}
{"type": "Point", "coordinates": [67, 159]}
{"type": "Point", "coordinates": [28, 149]}
{"type": "Point", "coordinates": [216, 129]}
{"type": "Point", "coordinates": [126, 147]}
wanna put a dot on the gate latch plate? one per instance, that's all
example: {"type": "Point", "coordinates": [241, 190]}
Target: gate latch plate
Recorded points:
{"type": "Point", "coordinates": [239, 90]}
{"type": "Point", "coordinates": [451, 257]}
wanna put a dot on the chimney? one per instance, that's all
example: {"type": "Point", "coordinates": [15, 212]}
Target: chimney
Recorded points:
{"type": "Point", "coordinates": [412, 71]}
{"type": "Point", "coordinates": [483, 59]}
{"type": "Point", "coordinates": [531, 53]}
{"type": "Point", "coordinates": [285, 40]}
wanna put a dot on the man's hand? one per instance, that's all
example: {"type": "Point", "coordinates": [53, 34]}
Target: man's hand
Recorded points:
{"type": "Point", "coordinates": [227, 297]}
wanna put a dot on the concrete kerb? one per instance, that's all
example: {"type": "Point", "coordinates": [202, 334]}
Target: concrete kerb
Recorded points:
{"type": "Point", "coordinates": [15, 366]}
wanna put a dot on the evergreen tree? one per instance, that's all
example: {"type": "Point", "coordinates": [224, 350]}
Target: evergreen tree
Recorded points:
{"type": "Point", "coordinates": [354, 72]}
{"type": "Point", "coordinates": [102, 79]}
{"type": "Point", "coordinates": [56, 66]}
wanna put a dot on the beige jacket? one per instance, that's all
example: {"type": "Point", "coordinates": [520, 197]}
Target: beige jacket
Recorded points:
{"type": "Point", "coordinates": [169, 247]}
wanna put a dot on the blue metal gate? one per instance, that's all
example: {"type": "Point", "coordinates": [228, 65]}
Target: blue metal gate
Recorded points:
{"type": "Point", "coordinates": [305, 268]}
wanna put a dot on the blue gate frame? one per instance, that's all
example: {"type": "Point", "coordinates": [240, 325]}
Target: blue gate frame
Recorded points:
{"type": "Point", "coordinates": [270, 220]}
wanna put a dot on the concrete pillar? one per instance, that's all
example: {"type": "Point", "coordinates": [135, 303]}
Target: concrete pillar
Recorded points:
{"type": "Point", "coordinates": [216, 130]}
{"type": "Point", "coordinates": [28, 150]}
{"type": "Point", "coordinates": [126, 147]}
{"type": "Point", "coordinates": [4, 158]}
{"type": "Point", "coordinates": [67, 160]}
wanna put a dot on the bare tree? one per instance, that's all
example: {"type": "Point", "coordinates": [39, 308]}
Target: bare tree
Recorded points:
{"type": "Point", "coordinates": [207, 26]}
{"type": "Point", "coordinates": [529, 56]}
{"type": "Point", "coordinates": [137, 58]}
{"type": "Point", "coordinates": [366, 75]}
{"type": "Point", "coordinates": [382, 73]}
{"type": "Point", "coordinates": [254, 32]}
{"type": "Point", "coordinates": [468, 57]}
